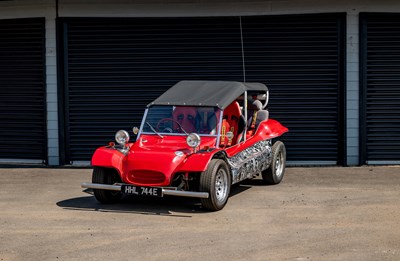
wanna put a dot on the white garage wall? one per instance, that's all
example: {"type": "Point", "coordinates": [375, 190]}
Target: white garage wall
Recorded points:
{"type": "Point", "coordinates": [149, 8]}
{"type": "Point", "coordinates": [51, 81]}
{"type": "Point", "coordinates": [165, 8]}
{"type": "Point", "coordinates": [352, 88]}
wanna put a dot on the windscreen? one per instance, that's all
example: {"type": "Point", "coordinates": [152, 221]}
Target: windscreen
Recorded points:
{"type": "Point", "coordinates": [181, 120]}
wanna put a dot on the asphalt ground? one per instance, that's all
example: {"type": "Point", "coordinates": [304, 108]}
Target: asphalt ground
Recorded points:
{"type": "Point", "coordinates": [314, 214]}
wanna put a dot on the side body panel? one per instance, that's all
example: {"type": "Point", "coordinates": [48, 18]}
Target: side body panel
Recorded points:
{"type": "Point", "coordinates": [250, 161]}
{"type": "Point", "coordinates": [254, 155]}
{"type": "Point", "coordinates": [245, 159]}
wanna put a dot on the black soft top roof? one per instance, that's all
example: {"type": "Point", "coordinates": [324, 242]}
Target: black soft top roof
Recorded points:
{"type": "Point", "coordinates": [206, 93]}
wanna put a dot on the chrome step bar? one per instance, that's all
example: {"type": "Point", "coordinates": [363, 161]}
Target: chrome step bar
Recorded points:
{"type": "Point", "coordinates": [165, 191]}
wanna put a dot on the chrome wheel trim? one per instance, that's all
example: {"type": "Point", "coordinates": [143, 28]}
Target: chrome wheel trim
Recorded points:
{"type": "Point", "coordinates": [221, 184]}
{"type": "Point", "coordinates": [279, 164]}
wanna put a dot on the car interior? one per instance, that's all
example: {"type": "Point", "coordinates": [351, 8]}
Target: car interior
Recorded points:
{"type": "Point", "coordinates": [204, 120]}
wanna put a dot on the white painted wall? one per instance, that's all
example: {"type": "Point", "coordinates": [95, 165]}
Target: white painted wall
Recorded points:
{"type": "Point", "coordinates": [174, 8]}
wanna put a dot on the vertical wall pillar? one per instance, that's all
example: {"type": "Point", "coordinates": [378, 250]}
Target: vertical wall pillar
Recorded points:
{"type": "Point", "coordinates": [51, 91]}
{"type": "Point", "coordinates": [352, 91]}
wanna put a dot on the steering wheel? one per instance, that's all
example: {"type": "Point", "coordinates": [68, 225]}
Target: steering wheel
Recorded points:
{"type": "Point", "coordinates": [166, 129]}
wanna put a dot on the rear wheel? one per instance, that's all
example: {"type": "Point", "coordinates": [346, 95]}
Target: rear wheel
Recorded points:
{"type": "Point", "coordinates": [109, 177]}
{"type": "Point", "coordinates": [216, 180]}
{"type": "Point", "coordinates": [274, 174]}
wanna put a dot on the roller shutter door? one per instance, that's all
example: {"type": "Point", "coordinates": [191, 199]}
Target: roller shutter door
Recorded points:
{"type": "Point", "coordinates": [301, 59]}
{"type": "Point", "coordinates": [115, 67]}
{"type": "Point", "coordinates": [380, 68]}
{"type": "Point", "coordinates": [22, 90]}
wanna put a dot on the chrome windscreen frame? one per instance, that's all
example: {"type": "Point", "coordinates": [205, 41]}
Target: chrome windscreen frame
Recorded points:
{"type": "Point", "coordinates": [219, 129]}
{"type": "Point", "coordinates": [142, 124]}
{"type": "Point", "coordinates": [173, 134]}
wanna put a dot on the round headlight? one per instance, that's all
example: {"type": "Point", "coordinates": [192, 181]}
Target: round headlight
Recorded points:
{"type": "Point", "coordinates": [122, 137]}
{"type": "Point", "coordinates": [193, 140]}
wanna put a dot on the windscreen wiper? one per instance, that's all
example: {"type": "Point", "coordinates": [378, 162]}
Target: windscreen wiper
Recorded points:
{"type": "Point", "coordinates": [151, 127]}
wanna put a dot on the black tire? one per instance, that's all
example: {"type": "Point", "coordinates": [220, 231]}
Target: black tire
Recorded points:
{"type": "Point", "coordinates": [274, 174]}
{"type": "Point", "coordinates": [216, 180]}
{"type": "Point", "coordinates": [106, 176]}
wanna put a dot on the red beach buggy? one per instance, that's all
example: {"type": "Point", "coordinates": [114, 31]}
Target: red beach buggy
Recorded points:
{"type": "Point", "coordinates": [195, 140]}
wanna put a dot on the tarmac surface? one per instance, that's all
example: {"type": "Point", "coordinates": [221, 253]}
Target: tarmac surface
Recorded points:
{"type": "Point", "coordinates": [314, 214]}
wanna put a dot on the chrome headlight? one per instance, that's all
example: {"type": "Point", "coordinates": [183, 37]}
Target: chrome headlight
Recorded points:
{"type": "Point", "coordinates": [122, 137]}
{"type": "Point", "coordinates": [193, 140]}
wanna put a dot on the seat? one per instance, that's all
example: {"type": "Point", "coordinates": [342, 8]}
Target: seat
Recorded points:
{"type": "Point", "coordinates": [185, 116]}
{"type": "Point", "coordinates": [252, 113]}
{"type": "Point", "coordinates": [207, 120]}
{"type": "Point", "coordinates": [224, 141]}
{"type": "Point", "coordinates": [256, 115]}
{"type": "Point", "coordinates": [233, 116]}
{"type": "Point", "coordinates": [261, 116]}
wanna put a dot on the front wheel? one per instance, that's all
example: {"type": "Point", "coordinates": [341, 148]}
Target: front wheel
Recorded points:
{"type": "Point", "coordinates": [216, 180]}
{"type": "Point", "coordinates": [274, 174]}
{"type": "Point", "coordinates": [109, 177]}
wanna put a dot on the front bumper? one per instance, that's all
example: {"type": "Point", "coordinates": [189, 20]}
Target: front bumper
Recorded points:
{"type": "Point", "coordinates": [165, 191]}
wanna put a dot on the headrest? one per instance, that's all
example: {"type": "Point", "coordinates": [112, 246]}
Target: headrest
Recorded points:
{"type": "Point", "coordinates": [185, 111]}
{"type": "Point", "coordinates": [256, 106]}
{"type": "Point", "coordinates": [262, 115]}
{"type": "Point", "coordinates": [233, 108]}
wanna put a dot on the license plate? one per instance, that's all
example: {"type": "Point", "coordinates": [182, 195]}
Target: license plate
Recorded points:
{"type": "Point", "coordinates": [142, 191]}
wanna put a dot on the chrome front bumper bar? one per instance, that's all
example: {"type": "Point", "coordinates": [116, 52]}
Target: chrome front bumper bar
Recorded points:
{"type": "Point", "coordinates": [165, 191]}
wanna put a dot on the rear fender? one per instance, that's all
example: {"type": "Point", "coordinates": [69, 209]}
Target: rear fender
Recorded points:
{"type": "Point", "coordinates": [108, 158]}
{"type": "Point", "coordinates": [270, 129]}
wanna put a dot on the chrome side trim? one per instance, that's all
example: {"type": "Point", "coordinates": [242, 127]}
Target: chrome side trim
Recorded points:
{"type": "Point", "coordinates": [165, 191]}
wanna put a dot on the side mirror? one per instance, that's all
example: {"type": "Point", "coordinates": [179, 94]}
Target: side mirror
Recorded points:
{"type": "Point", "coordinates": [135, 130]}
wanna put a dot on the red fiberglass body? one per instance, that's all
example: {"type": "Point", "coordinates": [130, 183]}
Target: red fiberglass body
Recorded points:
{"type": "Point", "coordinates": [152, 161]}
{"type": "Point", "coordinates": [195, 140]}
